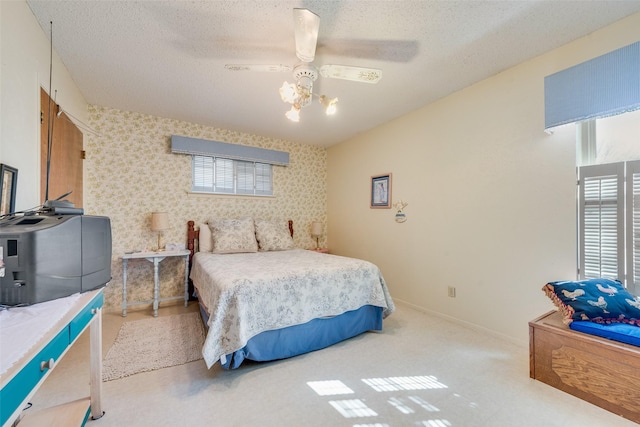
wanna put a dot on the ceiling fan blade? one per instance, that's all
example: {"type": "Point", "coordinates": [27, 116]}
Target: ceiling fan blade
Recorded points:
{"type": "Point", "coordinates": [307, 25]}
{"type": "Point", "coordinates": [258, 67]}
{"type": "Point", "coordinates": [356, 74]}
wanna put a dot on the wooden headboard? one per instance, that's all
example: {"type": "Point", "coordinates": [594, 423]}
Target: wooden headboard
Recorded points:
{"type": "Point", "coordinates": [193, 235]}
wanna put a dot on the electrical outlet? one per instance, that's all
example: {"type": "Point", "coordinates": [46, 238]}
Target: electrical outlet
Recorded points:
{"type": "Point", "coordinates": [451, 291]}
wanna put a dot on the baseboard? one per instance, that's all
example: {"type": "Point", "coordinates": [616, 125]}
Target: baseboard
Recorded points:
{"type": "Point", "coordinates": [469, 325]}
{"type": "Point", "coordinates": [143, 306]}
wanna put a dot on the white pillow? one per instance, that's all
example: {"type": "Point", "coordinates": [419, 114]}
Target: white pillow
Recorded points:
{"type": "Point", "coordinates": [230, 236]}
{"type": "Point", "coordinates": [204, 241]}
{"type": "Point", "coordinates": [273, 235]}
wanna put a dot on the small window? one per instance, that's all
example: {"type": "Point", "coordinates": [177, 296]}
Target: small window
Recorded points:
{"type": "Point", "coordinates": [608, 160]}
{"type": "Point", "coordinates": [226, 176]}
{"type": "Point", "coordinates": [609, 222]}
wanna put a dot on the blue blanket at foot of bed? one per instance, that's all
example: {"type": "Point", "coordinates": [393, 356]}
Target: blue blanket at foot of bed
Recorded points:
{"type": "Point", "coordinates": [622, 332]}
{"type": "Point", "coordinates": [313, 335]}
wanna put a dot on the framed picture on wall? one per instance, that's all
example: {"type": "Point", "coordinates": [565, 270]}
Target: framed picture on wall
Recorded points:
{"type": "Point", "coordinates": [381, 191]}
{"type": "Point", "coordinates": [8, 182]}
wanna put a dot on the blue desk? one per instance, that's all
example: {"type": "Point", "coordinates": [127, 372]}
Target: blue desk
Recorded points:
{"type": "Point", "coordinates": [23, 378]}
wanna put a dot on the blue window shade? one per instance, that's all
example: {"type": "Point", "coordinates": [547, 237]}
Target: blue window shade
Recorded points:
{"type": "Point", "coordinates": [602, 87]}
{"type": "Point", "coordinates": [203, 147]}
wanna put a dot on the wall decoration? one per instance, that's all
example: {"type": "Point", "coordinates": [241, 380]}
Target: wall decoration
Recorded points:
{"type": "Point", "coordinates": [381, 191]}
{"type": "Point", "coordinates": [8, 183]}
{"type": "Point", "coordinates": [400, 215]}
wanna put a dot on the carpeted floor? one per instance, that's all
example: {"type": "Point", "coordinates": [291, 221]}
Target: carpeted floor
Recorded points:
{"type": "Point", "coordinates": [150, 344]}
{"type": "Point", "coordinates": [422, 370]}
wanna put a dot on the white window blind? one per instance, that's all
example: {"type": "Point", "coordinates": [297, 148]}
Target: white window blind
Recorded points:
{"type": "Point", "coordinates": [245, 173]}
{"type": "Point", "coordinates": [263, 179]}
{"type": "Point", "coordinates": [609, 222]}
{"type": "Point", "coordinates": [202, 168]}
{"type": "Point", "coordinates": [223, 173]}
{"type": "Point", "coordinates": [633, 225]}
{"type": "Point", "coordinates": [226, 176]}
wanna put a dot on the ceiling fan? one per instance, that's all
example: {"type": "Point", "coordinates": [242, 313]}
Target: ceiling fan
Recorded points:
{"type": "Point", "coordinates": [300, 93]}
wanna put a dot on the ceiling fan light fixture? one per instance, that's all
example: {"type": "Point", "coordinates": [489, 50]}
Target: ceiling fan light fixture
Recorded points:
{"type": "Point", "coordinates": [300, 93]}
{"type": "Point", "coordinates": [330, 105]}
{"type": "Point", "coordinates": [294, 113]}
{"type": "Point", "coordinates": [307, 26]}
{"type": "Point", "coordinates": [288, 92]}
{"type": "Point", "coordinates": [304, 88]}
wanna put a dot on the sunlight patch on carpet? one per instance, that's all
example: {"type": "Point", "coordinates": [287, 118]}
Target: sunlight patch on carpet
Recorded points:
{"type": "Point", "coordinates": [404, 383]}
{"type": "Point", "coordinates": [150, 344]}
{"type": "Point", "coordinates": [329, 388]}
{"type": "Point", "coordinates": [353, 408]}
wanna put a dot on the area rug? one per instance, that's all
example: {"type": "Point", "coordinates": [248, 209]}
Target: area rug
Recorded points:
{"type": "Point", "coordinates": [150, 344]}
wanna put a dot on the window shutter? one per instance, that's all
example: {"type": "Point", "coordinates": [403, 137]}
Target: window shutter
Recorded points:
{"type": "Point", "coordinates": [633, 226]}
{"type": "Point", "coordinates": [601, 214]}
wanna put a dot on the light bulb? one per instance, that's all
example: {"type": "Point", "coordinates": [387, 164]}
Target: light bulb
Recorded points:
{"type": "Point", "coordinates": [288, 92]}
{"type": "Point", "coordinates": [330, 105]}
{"type": "Point", "coordinates": [293, 114]}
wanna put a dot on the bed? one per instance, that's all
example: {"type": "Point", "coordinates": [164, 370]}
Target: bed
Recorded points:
{"type": "Point", "coordinates": [264, 299]}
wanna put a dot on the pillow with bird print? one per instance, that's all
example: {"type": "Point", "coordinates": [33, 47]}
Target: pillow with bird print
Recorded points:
{"type": "Point", "coordinates": [598, 300]}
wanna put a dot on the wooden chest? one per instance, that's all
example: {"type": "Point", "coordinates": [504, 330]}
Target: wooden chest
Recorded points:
{"type": "Point", "coordinates": [600, 371]}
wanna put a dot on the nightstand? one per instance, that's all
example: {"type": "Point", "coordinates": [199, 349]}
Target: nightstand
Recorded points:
{"type": "Point", "coordinates": [155, 258]}
{"type": "Point", "coordinates": [320, 250]}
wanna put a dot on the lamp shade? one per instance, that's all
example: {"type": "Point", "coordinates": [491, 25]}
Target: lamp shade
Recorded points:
{"type": "Point", "coordinates": [316, 229]}
{"type": "Point", "coordinates": [288, 92]}
{"type": "Point", "coordinates": [159, 221]}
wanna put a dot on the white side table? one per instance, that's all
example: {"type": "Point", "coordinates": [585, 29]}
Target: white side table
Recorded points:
{"type": "Point", "coordinates": [156, 258]}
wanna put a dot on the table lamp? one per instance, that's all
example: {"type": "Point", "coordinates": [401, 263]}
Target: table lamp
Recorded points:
{"type": "Point", "coordinates": [316, 231]}
{"type": "Point", "coordinates": [159, 223]}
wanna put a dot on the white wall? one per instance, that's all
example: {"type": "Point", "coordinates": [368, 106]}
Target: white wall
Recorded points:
{"type": "Point", "coordinates": [491, 196]}
{"type": "Point", "coordinates": [24, 61]}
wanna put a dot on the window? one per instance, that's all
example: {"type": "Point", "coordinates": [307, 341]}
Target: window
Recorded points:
{"type": "Point", "coordinates": [609, 199]}
{"type": "Point", "coordinates": [602, 96]}
{"type": "Point", "coordinates": [601, 213]}
{"type": "Point", "coordinates": [226, 176]}
{"type": "Point", "coordinates": [609, 214]}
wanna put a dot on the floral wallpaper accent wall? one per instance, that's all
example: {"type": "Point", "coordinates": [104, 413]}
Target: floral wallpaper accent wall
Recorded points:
{"type": "Point", "coordinates": [131, 172]}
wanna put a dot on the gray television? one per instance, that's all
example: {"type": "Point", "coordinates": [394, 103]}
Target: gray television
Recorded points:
{"type": "Point", "coordinates": [45, 257]}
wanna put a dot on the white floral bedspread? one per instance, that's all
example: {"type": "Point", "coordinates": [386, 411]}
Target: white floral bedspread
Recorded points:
{"type": "Point", "coordinates": [247, 294]}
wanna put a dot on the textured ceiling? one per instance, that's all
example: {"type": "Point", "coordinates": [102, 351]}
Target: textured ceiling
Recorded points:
{"type": "Point", "coordinates": [166, 58]}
